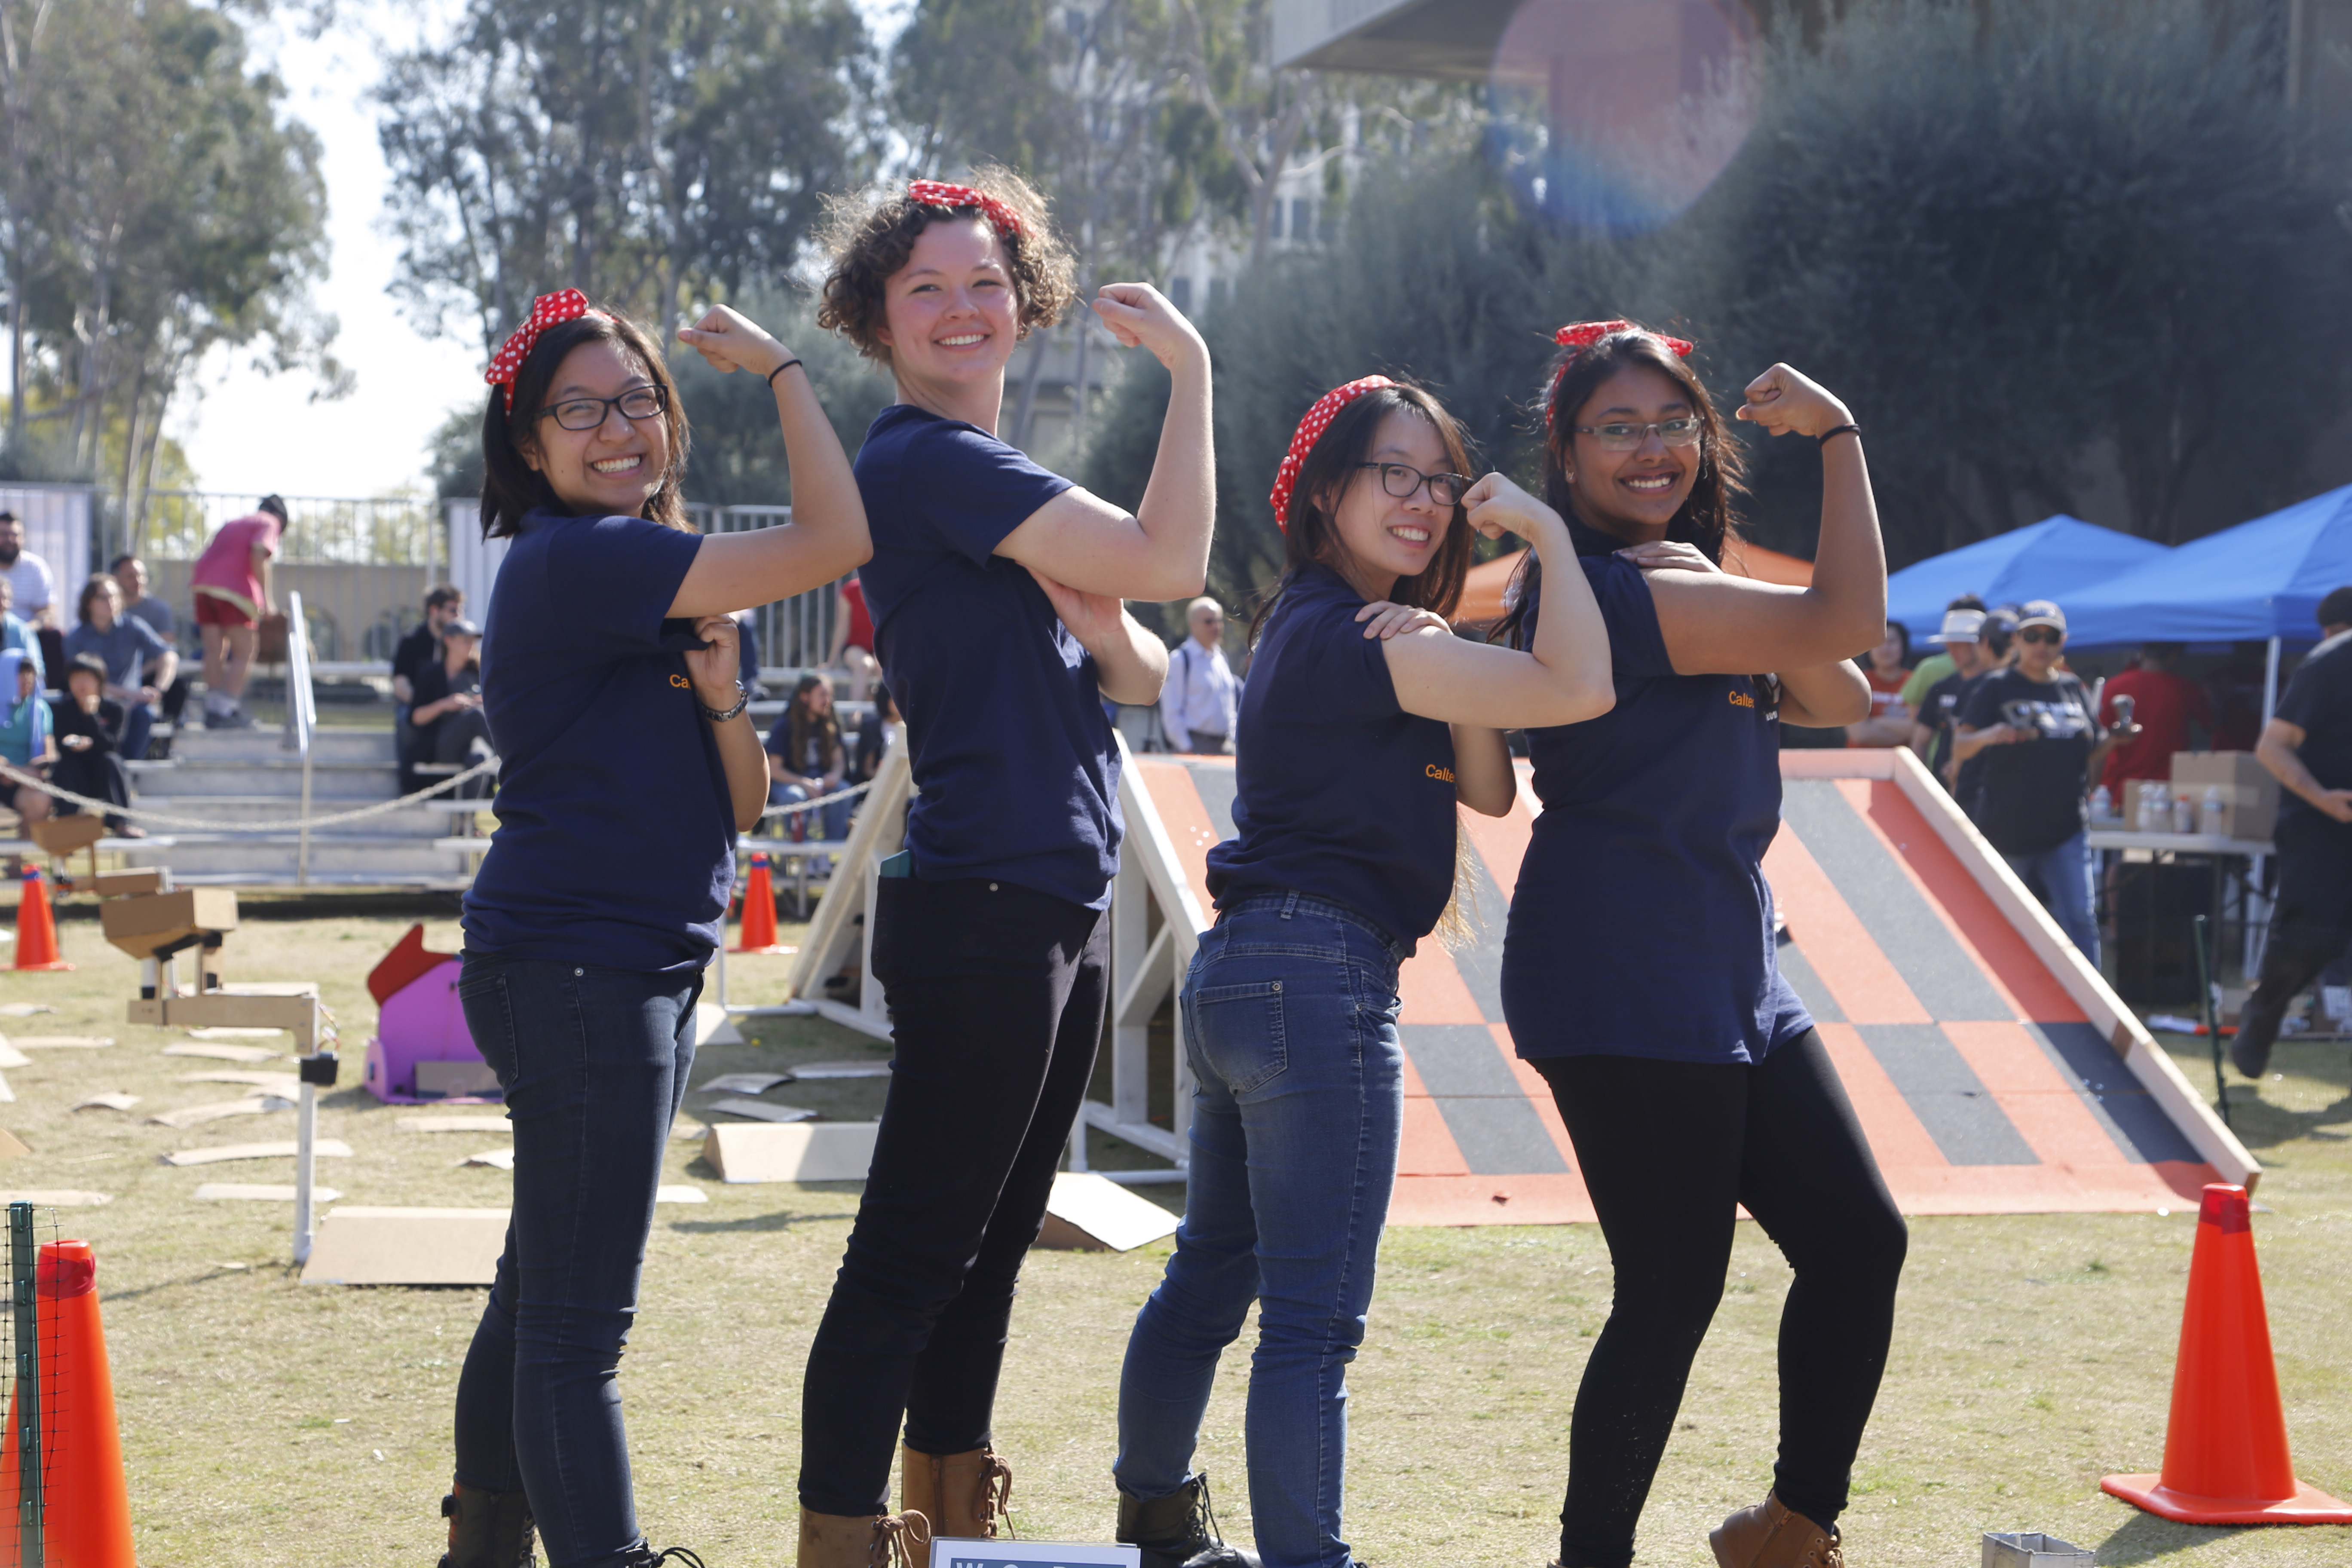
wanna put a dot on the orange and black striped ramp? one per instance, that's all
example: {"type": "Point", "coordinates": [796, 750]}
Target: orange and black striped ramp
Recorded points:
{"type": "Point", "coordinates": [1993, 1071]}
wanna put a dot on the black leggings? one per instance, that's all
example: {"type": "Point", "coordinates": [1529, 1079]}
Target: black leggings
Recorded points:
{"type": "Point", "coordinates": [1667, 1149]}
{"type": "Point", "coordinates": [996, 995]}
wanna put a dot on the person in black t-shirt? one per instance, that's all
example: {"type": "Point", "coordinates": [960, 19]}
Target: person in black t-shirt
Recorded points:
{"type": "Point", "coordinates": [88, 726]}
{"type": "Point", "coordinates": [411, 657]}
{"type": "Point", "coordinates": [2034, 728]}
{"type": "Point", "coordinates": [1931, 725]}
{"type": "Point", "coordinates": [447, 717]}
{"type": "Point", "coordinates": [2308, 746]}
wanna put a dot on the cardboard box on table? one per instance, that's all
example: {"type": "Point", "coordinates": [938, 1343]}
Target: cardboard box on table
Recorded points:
{"type": "Point", "coordinates": [2250, 795]}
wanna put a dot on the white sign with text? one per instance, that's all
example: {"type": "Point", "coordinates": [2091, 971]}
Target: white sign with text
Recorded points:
{"type": "Point", "coordinates": [950, 1552]}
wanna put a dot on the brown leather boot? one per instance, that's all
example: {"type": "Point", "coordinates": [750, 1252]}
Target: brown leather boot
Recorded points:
{"type": "Point", "coordinates": [863, 1541]}
{"type": "Point", "coordinates": [963, 1495]}
{"type": "Point", "coordinates": [1769, 1535]}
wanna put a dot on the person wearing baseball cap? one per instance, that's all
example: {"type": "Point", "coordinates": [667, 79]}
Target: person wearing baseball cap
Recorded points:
{"type": "Point", "coordinates": [2034, 728]}
{"type": "Point", "coordinates": [1932, 714]}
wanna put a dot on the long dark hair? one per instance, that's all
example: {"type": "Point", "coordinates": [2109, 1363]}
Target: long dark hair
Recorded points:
{"type": "Point", "coordinates": [1707, 518]}
{"type": "Point", "coordinates": [512, 487]}
{"type": "Point", "coordinates": [808, 722]}
{"type": "Point", "coordinates": [1324, 476]}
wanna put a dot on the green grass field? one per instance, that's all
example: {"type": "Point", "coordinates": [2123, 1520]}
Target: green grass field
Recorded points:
{"type": "Point", "coordinates": [268, 1423]}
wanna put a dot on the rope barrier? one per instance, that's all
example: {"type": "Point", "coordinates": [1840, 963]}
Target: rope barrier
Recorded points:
{"type": "Point", "coordinates": [292, 825]}
{"type": "Point", "coordinates": [205, 825]}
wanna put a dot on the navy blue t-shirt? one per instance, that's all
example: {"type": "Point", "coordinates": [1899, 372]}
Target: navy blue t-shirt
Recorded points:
{"type": "Point", "coordinates": [1641, 925]}
{"type": "Point", "coordinates": [1006, 729]}
{"type": "Point", "coordinates": [1339, 791]}
{"type": "Point", "coordinates": [616, 833]}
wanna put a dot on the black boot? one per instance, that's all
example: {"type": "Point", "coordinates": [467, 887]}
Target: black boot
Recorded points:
{"type": "Point", "coordinates": [1179, 1530]}
{"type": "Point", "coordinates": [2258, 1028]}
{"type": "Point", "coordinates": [487, 1530]}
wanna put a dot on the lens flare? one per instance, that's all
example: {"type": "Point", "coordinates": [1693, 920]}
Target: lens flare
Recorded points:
{"type": "Point", "coordinates": [1620, 113]}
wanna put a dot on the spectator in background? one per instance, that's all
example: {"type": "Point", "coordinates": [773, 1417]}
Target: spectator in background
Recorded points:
{"type": "Point", "coordinates": [2169, 707]}
{"type": "Point", "coordinates": [137, 664]}
{"type": "Point", "coordinates": [1887, 668]}
{"type": "Point", "coordinates": [806, 759]}
{"type": "Point", "coordinates": [447, 717]}
{"type": "Point", "coordinates": [874, 738]}
{"type": "Point", "coordinates": [87, 724]}
{"type": "Point", "coordinates": [1932, 720]}
{"type": "Point", "coordinates": [232, 584]}
{"type": "Point", "coordinates": [2308, 746]}
{"type": "Point", "coordinates": [411, 657]}
{"type": "Point", "coordinates": [2033, 726]}
{"type": "Point", "coordinates": [26, 742]}
{"type": "Point", "coordinates": [143, 606]}
{"type": "Point", "coordinates": [1936, 666]}
{"type": "Point", "coordinates": [853, 639]}
{"type": "Point", "coordinates": [1996, 650]}
{"type": "Point", "coordinates": [1198, 704]}
{"type": "Point", "coordinates": [28, 574]}
{"type": "Point", "coordinates": [19, 634]}
{"type": "Point", "coordinates": [747, 653]}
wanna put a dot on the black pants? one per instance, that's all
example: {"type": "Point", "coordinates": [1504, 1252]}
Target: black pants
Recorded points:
{"type": "Point", "coordinates": [98, 774]}
{"type": "Point", "coordinates": [997, 997]}
{"type": "Point", "coordinates": [1667, 1149]}
{"type": "Point", "coordinates": [2313, 920]}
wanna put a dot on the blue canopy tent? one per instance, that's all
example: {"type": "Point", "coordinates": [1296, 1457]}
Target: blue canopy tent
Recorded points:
{"type": "Point", "coordinates": [2259, 581]}
{"type": "Point", "coordinates": [2048, 560]}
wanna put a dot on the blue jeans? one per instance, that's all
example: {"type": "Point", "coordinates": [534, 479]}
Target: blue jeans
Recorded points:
{"type": "Point", "coordinates": [833, 818]}
{"type": "Point", "coordinates": [138, 730]}
{"type": "Point", "coordinates": [1290, 1026]}
{"type": "Point", "coordinates": [594, 1062]}
{"type": "Point", "coordinates": [2062, 878]}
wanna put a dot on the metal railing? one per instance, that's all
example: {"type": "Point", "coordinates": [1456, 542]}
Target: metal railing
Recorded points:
{"type": "Point", "coordinates": [301, 720]}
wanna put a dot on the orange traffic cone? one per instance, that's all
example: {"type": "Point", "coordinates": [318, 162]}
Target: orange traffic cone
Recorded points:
{"type": "Point", "coordinates": [760, 913]}
{"type": "Point", "coordinates": [37, 930]}
{"type": "Point", "coordinates": [2225, 1459]}
{"type": "Point", "coordinates": [86, 1506]}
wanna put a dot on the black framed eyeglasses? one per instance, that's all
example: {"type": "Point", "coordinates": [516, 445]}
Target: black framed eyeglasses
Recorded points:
{"type": "Point", "coordinates": [1402, 479]}
{"type": "Point", "coordinates": [1628, 437]}
{"type": "Point", "coordinates": [587, 412]}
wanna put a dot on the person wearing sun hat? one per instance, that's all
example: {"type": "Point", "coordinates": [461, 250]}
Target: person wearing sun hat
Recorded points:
{"type": "Point", "coordinates": [1365, 724]}
{"type": "Point", "coordinates": [995, 591]}
{"type": "Point", "coordinates": [1640, 972]}
{"type": "Point", "coordinates": [2032, 727]}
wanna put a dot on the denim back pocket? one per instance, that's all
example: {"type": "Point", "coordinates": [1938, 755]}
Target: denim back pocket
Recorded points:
{"type": "Point", "coordinates": [488, 1005]}
{"type": "Point", "coordinates": [1239, 1032]}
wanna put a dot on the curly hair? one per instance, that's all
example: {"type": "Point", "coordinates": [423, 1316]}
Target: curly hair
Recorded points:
{"type": "Point", "coordinates": [871, 237]}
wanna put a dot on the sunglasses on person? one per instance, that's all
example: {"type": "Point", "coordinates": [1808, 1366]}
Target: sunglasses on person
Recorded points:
{"type": "Point", "coordinates": [2042, 635]}
{"type": "Point", "coordinates": [1402, 479]}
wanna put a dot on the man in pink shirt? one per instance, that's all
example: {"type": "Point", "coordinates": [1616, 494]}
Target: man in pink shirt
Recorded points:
{"type": "Point", "coordinates": [232, 585]}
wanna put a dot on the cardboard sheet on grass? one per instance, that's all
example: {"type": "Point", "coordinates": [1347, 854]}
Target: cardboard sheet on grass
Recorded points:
{"type": "Point", "coordinates": [1992, 1069]}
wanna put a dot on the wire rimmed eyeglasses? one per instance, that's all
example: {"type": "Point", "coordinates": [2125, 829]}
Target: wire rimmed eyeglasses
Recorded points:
{"type": "Point", "coordinates": [587, 412]}
{"type": "Point", "coordinates": [1629, 438]}
{"type": "Point", "coordinates": [1402, 480]}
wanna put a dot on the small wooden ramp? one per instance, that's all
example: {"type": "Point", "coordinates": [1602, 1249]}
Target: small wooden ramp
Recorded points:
{"type": "Point", "coordinates": [1993, 1071]}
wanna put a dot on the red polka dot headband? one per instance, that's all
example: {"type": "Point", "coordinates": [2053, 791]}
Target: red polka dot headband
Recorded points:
{"type": "Point", "coordinates": [1327, 407]}
{"type": "Point", "coordinates": [940, 194]}
{"type": "Point", "coordinates": [547, 310]}
{"type": "Point", "coordinates": [1584, 334]}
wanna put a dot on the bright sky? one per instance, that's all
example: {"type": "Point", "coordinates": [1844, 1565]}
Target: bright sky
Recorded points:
{"type": "Point", "coordinates": [259, 433]}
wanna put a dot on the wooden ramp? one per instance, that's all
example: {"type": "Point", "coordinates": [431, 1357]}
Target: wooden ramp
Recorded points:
{"type": "Point", "coordinates": [1992, 1069]}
